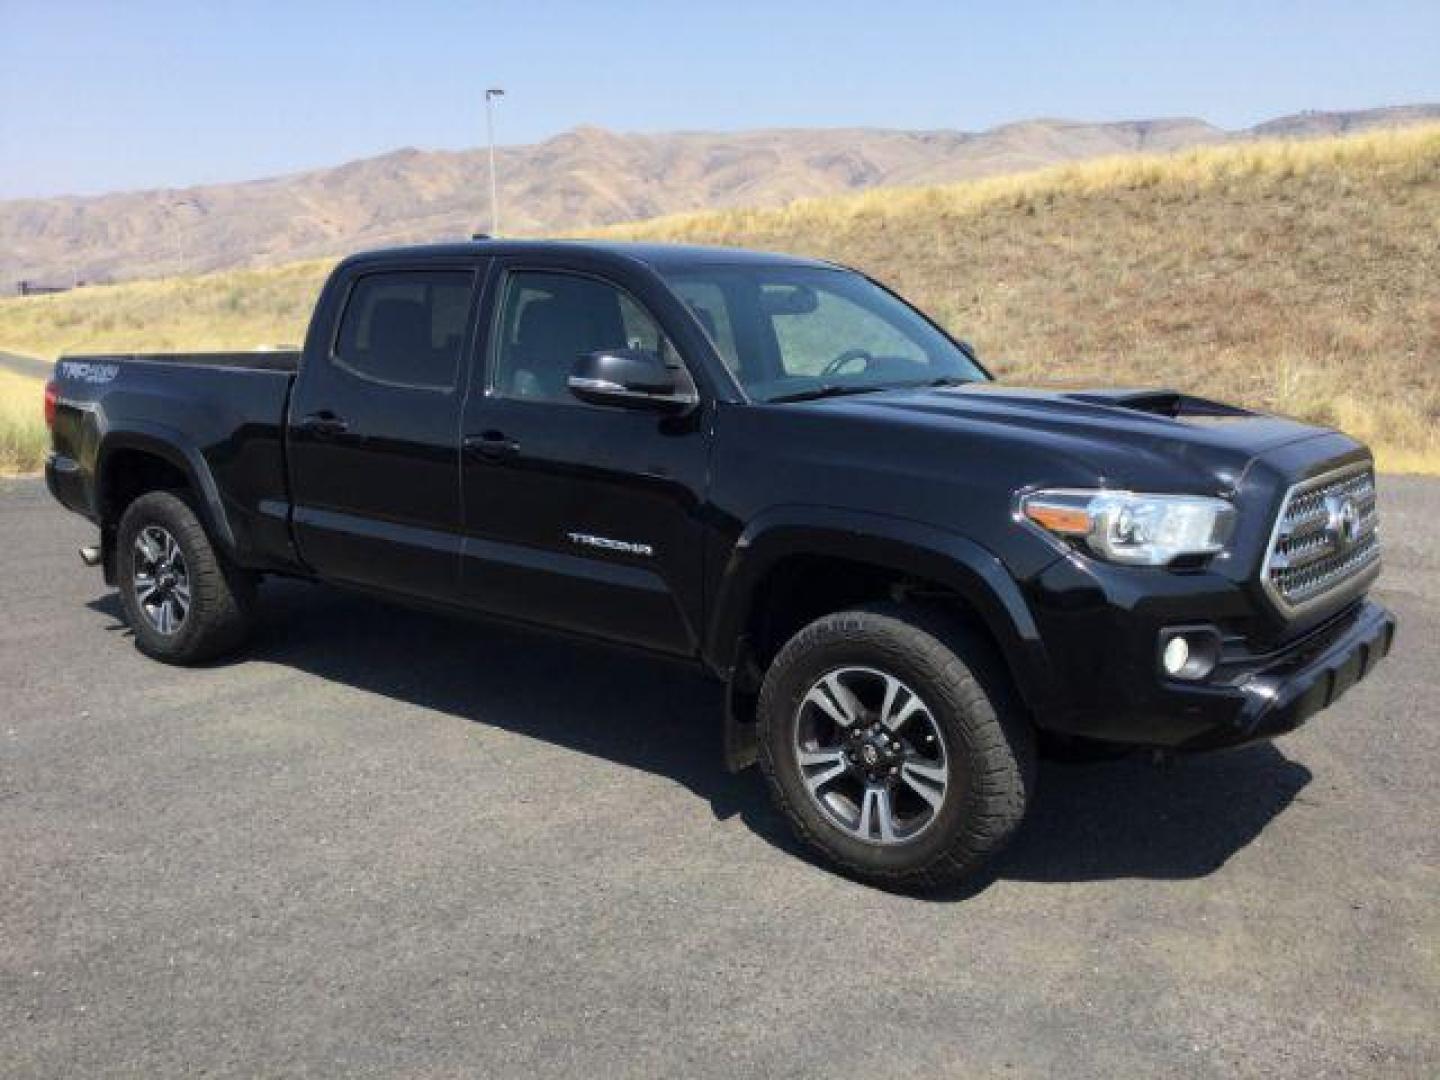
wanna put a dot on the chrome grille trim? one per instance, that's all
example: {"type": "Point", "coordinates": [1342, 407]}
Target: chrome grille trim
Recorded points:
{"type": "Point", "coordinates": [1309, 560]}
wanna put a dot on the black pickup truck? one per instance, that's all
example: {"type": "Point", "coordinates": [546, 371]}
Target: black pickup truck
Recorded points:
{"type": "Point", "coordinates": [908, 577]}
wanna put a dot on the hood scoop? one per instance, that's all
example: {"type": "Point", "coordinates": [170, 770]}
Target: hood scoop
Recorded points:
{"type": "Point", "coordinates": [1171, 403]}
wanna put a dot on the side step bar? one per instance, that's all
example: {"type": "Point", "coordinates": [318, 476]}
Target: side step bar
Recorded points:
{"type": "Point", "coordinates": [90, 555]}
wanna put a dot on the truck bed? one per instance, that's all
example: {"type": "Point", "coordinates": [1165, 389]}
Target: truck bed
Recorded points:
{"type": "Point", "coordinates": [222, 412]}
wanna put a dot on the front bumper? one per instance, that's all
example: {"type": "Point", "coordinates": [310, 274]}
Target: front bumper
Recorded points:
{"type": "Point", "coordinates": [1113, 689]}
{"type": "Point", "coordinates": [1288, 689]}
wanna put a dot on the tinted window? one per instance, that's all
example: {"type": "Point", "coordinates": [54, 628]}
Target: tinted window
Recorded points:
{"type": "Point", "coordinates": [406, 328]}
{"type": "Point", "coordinates": [548, 320]}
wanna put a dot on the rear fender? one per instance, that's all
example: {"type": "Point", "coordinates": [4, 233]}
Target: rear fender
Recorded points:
{"type": "Point", "coordinates": [169, 445]}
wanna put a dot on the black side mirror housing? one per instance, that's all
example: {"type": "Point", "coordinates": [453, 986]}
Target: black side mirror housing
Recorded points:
{"type": "Point", "coordinates": [631, 379]}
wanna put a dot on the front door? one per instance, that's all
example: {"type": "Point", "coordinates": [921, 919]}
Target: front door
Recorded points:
{"type": "Point", "coordinates": [374, 433]}
{"type": "Point", "coordinates": [579, 516]}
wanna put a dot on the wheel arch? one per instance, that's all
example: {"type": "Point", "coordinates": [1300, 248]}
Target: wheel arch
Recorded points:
{"type": "Point", "coordinates": [931, 564]}
{"type": "Point", "coordinates": [150, 457]}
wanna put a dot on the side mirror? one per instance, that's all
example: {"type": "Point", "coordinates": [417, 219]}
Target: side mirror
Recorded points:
{"type": "Point", "coordinates": [629, 378]}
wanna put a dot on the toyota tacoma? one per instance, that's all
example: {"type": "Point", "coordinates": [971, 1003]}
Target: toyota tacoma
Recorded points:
{"type": "Point", "coordinates": [908, 577]}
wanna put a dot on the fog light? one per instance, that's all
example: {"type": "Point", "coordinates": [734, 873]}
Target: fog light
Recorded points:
{"type": "Point", "coordinates": [1190, 653]}
{"type": "Point", "coordinates": [1176, 655]}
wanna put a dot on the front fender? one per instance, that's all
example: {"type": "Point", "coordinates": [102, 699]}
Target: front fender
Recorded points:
{"type": "Point", "coordinates": [922, 551]}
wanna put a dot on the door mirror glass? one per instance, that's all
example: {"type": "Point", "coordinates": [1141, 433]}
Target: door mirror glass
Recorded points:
{"type": "Point", "coordinates": [631, 378]}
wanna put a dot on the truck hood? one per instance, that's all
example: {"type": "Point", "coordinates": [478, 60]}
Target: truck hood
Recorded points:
{"type": "Point", "coordinates": [1122, 436]}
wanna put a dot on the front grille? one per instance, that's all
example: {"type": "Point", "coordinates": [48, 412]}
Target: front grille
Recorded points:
{"type": "Point", "coordinates": [1326, 537]}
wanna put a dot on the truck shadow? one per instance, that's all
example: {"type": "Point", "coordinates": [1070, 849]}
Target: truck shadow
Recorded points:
{"type": "Point", "coordinates": [1095, 822]}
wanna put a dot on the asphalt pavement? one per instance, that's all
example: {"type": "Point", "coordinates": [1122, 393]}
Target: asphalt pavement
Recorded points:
{"type": "Point", "coordinates": [26, 365]}
{"type": "Point", "coordinates": [388, 843]}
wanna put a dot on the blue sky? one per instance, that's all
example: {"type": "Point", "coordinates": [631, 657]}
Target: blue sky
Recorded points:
{"type": "Point", "coordinates": [105, 96]}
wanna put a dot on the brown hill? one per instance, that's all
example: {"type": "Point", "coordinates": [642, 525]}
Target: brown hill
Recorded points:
{"type": "Point", "coordinates": [585, 177]}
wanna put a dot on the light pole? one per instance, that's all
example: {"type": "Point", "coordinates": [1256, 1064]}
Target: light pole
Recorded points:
{"type": "Point", "coordinates": [182, 244]}
{"type": "Point", "coordinates": [490, 95]}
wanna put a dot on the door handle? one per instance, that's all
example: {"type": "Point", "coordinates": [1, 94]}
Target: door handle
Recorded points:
{"type": "Point", "coordinates": [323, 425]}
{"type": "Point", "coordinates": [490, 445]}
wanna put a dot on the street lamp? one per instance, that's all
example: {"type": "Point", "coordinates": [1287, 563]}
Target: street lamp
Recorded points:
{"type": "Point", "coordinates": [490, 95]}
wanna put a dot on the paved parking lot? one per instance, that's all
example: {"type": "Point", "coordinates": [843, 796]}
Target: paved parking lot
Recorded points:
{"type": "Point", "coordinates": [388, 843]}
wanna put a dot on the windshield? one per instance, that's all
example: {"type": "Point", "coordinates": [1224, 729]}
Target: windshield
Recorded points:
{"type": "Point", "coordinates": [800, 331]}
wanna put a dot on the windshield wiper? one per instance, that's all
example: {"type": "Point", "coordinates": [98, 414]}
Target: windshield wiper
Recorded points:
{"type": "Point", "coordinates": [827, 390]}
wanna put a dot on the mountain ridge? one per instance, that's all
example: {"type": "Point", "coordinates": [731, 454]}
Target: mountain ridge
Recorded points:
{"type": "Point", "coordinates": [587, 176]}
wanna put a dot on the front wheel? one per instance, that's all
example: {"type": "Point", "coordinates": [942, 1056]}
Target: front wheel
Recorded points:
{"type": "Point", "coordinates": [184, 601]}
{"type": "Point", "coordinates": [892, 742]}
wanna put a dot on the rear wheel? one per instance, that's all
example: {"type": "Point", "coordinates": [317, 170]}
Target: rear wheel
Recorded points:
{"type": "Point", "coordinates": [184, 601]}
{"type": "Point", "coordinates": [891, 740]}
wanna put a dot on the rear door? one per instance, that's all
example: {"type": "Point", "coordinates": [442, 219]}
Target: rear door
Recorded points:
{"type": "Point", "coordinates": [579, 516]}
{"type": "Point", "coordinates": [374, 429]}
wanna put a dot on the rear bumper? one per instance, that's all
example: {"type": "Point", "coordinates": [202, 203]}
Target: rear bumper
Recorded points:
{"type": "Point", "coordinates": [67, 483]}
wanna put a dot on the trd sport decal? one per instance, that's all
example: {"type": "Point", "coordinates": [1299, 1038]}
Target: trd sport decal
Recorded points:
{"type": "Point", "coordinates": [85, 372]}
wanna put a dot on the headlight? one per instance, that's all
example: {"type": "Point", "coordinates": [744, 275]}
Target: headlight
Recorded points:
{"type": "Point", "coordinates": [1125, 527]}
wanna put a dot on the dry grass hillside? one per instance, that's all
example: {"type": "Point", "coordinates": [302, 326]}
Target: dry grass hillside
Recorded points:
{"type": "Point", "coordinates": [22, 427]}
{"type": "Point", "coordinates": [238, 309]}
{"type": "Point", "coordinates": [1299, 277]}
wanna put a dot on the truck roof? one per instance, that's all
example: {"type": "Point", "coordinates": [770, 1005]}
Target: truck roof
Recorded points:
{"type": "Point", "coordinates": [667, 256]}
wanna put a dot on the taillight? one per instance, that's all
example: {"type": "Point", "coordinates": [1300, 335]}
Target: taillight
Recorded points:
{"type": "Point", "coordinates": [52, 395]}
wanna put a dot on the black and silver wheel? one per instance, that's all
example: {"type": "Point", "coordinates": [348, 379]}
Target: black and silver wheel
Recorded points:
{"type": "Point", "coordinates": [871, 755]}
{"type": "Point", "coordinates": [893, 743]}
{"type": "Point", "coordinates": [161, 579]}
{"type": "Point", "coordinates": [183, 600]}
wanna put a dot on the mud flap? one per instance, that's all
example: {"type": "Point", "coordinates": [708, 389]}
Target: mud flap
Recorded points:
{"type": "Point", "coordinates": [741, 747]}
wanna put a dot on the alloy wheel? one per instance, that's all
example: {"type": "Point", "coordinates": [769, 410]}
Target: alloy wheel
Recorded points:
{"type": "Point", "coordinates": [161, 579]}
{"type": "Point", "coordinates": [871, 755]}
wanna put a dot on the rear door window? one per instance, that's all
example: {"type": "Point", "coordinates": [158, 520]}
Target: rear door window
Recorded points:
{"type": "Point", "coordinates": [406, 328]}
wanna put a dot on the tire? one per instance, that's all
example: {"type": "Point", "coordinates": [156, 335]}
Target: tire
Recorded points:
{"type": "Point", "coordinates": [214, 617]}
{"type": "Point", "coordinates": [969, 726]}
